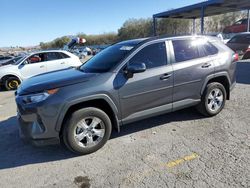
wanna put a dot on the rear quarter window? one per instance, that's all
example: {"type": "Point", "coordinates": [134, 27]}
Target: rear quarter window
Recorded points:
{"type": "Point", "coordinates": [210, 49]}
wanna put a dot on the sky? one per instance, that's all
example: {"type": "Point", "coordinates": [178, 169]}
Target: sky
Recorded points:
{"type": "Point", "coordinates": [29, 22]}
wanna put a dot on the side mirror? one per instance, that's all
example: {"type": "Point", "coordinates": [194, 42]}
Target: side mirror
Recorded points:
{"type": "Point", "coordinates": [135, 68]}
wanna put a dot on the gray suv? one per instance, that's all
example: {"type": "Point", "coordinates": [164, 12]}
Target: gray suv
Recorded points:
{"type": "Point", "coordinates": [126, 82]}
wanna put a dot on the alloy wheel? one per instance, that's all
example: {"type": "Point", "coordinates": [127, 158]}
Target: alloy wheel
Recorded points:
{"type": "Point", "coordinates": [215, 100]}
{"type": "Point", "coordinates": [89, 131]}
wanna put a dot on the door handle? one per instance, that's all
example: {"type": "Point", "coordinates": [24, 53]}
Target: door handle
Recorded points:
{"type": "Point", "coordinates": [206, 65]}
{"type": "Point", "coordinates": [63, 63]}
{"type": "Point", "coordinates": [42, 66]}
{"type": "Point", "coordinates": [165, 76]}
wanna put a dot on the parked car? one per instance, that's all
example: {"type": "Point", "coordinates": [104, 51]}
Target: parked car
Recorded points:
{"type": "Point", "coordinates": [125, 82]}
{"type": "Point", "coordinates": [241, 45]}
{"type": "Point", "coordinates": [12, 75]}
{"type": "Point", "coordinates": [3, 59]}
{"type": "Point", "coordinates": [237, 27]}
{"type": "Point", "coordinates": [11, 61]}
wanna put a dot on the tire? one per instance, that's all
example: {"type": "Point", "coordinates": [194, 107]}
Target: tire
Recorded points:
{"type": "Point", "coordinates": [213, 99]}
{"type": "Point", "coordinates": [78, 131]}
{"type": "Point", "coordinates": [11, 83]}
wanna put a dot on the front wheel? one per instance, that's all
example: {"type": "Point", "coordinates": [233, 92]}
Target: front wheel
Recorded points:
{"type": "Point", "coordinates": [11, 83]}
{"type": "Point", "coordinates": [87, 130]}
{"type": "Point", "coordinates": [213, 99]}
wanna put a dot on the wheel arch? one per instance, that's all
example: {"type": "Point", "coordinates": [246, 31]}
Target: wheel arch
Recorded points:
{"type": "Point", "coordinates": [10, 75]}
{"type": "Point", "coordinates": [102, 102]}
{"type": "Point", "coordinates": [221, 78]}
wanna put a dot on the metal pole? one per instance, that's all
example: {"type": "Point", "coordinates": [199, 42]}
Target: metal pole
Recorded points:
{"type": "Point", "coordinates": [202, 19]}
{"type": "Point", "coordinates": [194, 26]}
{"type": "Point", "coordinates": [248, 17]}
{"type": "Point", "coordinates": [154, 26]}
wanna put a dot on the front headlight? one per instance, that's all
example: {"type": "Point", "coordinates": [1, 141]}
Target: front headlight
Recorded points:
{"type": "Point", "coordinates": [39, 97]}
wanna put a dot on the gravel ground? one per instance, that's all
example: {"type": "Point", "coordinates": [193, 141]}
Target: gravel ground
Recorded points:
{"type": "Point", "coordinates": [181, 149]}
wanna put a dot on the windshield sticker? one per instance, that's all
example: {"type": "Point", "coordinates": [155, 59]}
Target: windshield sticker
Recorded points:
{"type": "Point", "coordinates": [128, 48]}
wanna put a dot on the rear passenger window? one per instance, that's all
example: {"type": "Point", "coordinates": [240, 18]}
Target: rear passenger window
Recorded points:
{"type": "Point", "coordinates": [153, 55]}
{"type": "Point", "coordinates": [52, 56]}
{"type": "Point", "coordinates": [185, 50]}
{"type": "Point", "coordinates": [210, 49]}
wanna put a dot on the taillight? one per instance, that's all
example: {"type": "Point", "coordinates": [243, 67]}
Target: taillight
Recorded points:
{"type": "Point", "coordinates": [236, 57]}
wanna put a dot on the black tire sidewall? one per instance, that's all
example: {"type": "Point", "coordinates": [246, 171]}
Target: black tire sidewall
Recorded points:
{"type": "Point", "coordinates": [210, 87]}
{"type": "Point", "coordinates": [68, 133]}
{"type": "Point", "coordinates": [8, 80]}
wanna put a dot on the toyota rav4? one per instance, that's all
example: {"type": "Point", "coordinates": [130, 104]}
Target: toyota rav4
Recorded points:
{"type": "Point", "coordinates": [126, 82]}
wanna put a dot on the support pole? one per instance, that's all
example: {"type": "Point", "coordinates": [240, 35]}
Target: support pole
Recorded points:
{"type": "Point", "coordinates": [248, 23]}
{"type": "Point", "coordinates": [154, 25]}
{"type": "Point", "coordinates": [202, 19]}
{"type": "Point", "coordinates": [194, 26]}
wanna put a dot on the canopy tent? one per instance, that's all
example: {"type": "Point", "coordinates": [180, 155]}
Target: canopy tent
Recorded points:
{"type": "Point", "coordinates": [204, 9]}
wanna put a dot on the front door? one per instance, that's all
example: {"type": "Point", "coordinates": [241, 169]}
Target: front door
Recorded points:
{"type": "Point", "coordinates": [33, 65]}
{"type": "Point", "coordinates": [148, 93]}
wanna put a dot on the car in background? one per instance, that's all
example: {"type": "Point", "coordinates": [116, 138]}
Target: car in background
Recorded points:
{"type": "Point", "coordinates": [3, 59]}
{"type": "Point", "coordinates": [11, 61]}
{"type": "Point", "coordinates": [237, 27]}
{"type": "Point", "coordinates": [240, 43]}
{"type": "Point", "coordinates": [11, 75]}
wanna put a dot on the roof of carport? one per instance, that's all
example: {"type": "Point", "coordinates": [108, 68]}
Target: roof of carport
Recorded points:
{"type": "Point", "coordinates": [212, 7]}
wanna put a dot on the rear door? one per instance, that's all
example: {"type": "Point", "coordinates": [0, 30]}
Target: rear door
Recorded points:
{"type": "Point", "coordinates": [149, 92]}
{"type": "Point", "coordinates": [191, 66]}
{"type": "Point", "coordinates": [55, 61]}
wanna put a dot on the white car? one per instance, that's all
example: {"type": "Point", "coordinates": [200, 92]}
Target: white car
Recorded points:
{"type": "Point", "coordinates": [11, 75]}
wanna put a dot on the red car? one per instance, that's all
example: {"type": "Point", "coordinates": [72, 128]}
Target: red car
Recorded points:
{"type": "Point", "coordinates": [237, 27]}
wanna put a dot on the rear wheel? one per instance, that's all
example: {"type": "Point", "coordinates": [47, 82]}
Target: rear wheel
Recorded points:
{"type": "Point", "coordinates": [11, 83]}
{"type": "Point", "coordinates": [87, 130]}
{"type": "Point", "coordinates": [213, 99]}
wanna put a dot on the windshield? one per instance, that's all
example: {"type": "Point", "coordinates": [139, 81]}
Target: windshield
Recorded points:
{"type": "Point", "coordinates": [18, 60]}
{"type": "Point", "coordinates": [243, 39]}
{"type": "Point", "coordinates": [107, 59]}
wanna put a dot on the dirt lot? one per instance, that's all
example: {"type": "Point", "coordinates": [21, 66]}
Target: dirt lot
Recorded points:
{"type": "Point", "coordinates": [181, 149]}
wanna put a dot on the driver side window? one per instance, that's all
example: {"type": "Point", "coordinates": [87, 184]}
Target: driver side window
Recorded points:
{"type": "Point", "coordinates": [36, 58]}
{"type": "Point", "coordinates": [153, 55]}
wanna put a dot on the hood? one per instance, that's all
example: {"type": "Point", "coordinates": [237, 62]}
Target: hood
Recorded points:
{"type": "Point", "coordinates": [53, 80]}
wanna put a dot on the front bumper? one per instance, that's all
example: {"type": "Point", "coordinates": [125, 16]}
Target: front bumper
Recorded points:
{"type": "Point", "coordinates": [37, 122]}
{"type": "Point", "coordinates": [29, 131]}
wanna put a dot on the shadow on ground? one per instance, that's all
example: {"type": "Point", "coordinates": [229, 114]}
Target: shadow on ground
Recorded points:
{"type": "Point", "coordinates": [15, 153]}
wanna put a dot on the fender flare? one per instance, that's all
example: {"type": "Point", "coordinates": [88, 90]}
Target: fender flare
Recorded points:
{"type": "Point", "coordinates": [69, 104]}
{"type": "Point", "coordinates": [210, 77]}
